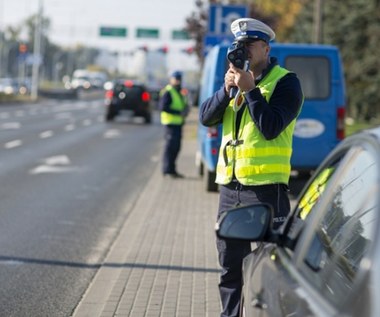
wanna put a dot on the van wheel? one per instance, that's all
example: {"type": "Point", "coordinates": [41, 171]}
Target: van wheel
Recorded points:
{"type": "Point", "coordinates": [211, 186]}
{"type": "Point", "coordinates": [199, 163]}
{"type": "Point", "coordinates": [201, 168]}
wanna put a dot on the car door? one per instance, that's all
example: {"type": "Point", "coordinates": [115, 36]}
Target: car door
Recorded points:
{"type": "Point", "coordinates": [333, 230]}
{"type": "Point", "coordinates": [333, 255]}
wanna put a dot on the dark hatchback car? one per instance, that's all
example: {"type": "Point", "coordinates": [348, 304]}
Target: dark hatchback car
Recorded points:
{"type": "Point", "coordinates": [325, 260]}
{"type": "Point", "coordinates": [128, 95]}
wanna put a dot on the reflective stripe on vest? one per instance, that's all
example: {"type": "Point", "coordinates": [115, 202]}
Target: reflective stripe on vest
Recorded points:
{"type": "Point", "coordinates": [178, 104]}
{"type": "Point", "coordinates": [253, 159]}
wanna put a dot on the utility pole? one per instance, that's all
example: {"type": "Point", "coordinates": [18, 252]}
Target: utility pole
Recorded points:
{"type": "Point", "coordinates": [318, 22]}
{"type": "Point", "coordinates": [37, 52]}
{"type": "Point", "coordinates": [2, 39]}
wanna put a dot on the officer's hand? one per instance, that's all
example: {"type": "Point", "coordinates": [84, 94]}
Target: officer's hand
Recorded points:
{"type": "Point", "coordinates": [229, 80]}
{"type": "Point", "coordinates": [245, 80]}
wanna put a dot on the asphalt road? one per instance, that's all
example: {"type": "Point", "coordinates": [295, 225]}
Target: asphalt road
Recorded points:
{"type": "Point", "coordinates": [68, 180]}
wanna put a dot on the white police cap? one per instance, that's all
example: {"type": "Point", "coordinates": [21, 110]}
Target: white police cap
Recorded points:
{"type": "Point", "coordinates": [248, 29]}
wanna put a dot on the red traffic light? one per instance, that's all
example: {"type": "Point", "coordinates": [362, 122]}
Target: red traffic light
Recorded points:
{"type": "Point", "coordinates": [188, 50]}
{"type": "Point", "coordinates": [163, 49]}
{"type": "Point", "coordinates": [22, 48]}
{"type": "Point", "coordinates": [143, 48]}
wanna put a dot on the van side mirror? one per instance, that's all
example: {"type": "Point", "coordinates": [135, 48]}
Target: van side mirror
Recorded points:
{"type": "Point", "coordinates": [245, 223]}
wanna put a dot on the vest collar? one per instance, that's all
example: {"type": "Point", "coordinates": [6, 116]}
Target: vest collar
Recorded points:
{"type": "Point", "coordinates": [272, 63]}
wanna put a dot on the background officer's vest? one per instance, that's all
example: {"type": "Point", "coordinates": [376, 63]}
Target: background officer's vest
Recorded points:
{"type": "Point", "coordinates": [178, 103]}
{"type": "Point", "coordinates": [314, 191]}
{"type": "Point", "coordinates": [251, 158]}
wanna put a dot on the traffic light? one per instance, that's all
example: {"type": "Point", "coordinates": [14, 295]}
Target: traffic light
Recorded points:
{"type": "Point", "coordinates": [188, 50]}
{"type": "Point", "coordinates": [164, 49]}
{"type": "Point", "coordinates": [22, 48]}
{"type": "Point", "coordinates": [143, 48]}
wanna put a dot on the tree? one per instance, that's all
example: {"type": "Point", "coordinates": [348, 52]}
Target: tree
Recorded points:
{"type": "Point", "coordinates": [196, 25]}
{"type": "Point", "coordinates": [12, 33]}
{"type": "Point", "coordinates": [353, 26]}
{"type": "Point", "coordinates": [279, 14]}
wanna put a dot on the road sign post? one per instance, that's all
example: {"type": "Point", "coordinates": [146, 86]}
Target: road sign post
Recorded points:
{"type": "Point", "coordinates": [221, 17]}
{"type": "Point", "coordinates": [219, 23]}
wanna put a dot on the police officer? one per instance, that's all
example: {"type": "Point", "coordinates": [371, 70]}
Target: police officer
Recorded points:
{"type": "Point", "coordinates": [174, 109]}
{"type": "Point", "coordinates": [254, 157]}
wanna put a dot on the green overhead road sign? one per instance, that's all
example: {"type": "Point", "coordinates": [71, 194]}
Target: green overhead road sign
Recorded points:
{"type": "Point", "coordinates": [113, 31]}
{"type": "Point", "coordinates": [148, 33]}
{"type": "Point", "coordinates": [180, 35]}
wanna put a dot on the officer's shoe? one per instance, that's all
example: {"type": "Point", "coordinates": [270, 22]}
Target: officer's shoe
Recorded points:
{"type": "Point", "coordinates": [174, 175]}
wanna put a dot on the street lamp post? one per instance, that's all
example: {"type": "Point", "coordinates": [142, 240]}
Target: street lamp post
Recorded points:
{"type": "Point", "coordinates": [318, 22]}
{"type": "Point", "coordinates": [37, 52]}
{"type": "Point", "coordinates": [3, 37]}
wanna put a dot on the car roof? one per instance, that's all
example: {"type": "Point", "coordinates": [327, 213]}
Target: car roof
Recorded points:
{"type": "Point", "coordinates": [131, 83]}
{"type": "Point", "coordinates": [374, 131]}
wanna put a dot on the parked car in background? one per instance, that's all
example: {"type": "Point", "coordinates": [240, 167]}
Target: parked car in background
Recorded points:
{"type": "Point", "coordinates": [87, 79]}
{"type": "Point", "coordinates": [8, 86]}
{"type": "Point", "coordinates": [128, 95]}
{"type": "Point", "coordinates": [15, 86]}
{"type": "Point", "coordinates": [325, 260]}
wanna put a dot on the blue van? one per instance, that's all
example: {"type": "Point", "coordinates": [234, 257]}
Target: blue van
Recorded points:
{"type": "Point", "coordinates": [320, 125]}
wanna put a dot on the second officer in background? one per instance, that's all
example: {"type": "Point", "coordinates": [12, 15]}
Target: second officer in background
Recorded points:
{"type": "Point", "coordinates": [174, 109]}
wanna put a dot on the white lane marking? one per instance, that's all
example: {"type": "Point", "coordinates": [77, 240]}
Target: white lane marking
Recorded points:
{"type": "Point", "coordinates": [69, 127]}
{"type": "Point", "coordinates": [52, 169]}
{"type": "Point", "coordinates": [57, 160]}
{"type": "Point", "coordinates": [112, 134]}
{"type": "Point", "coordinates": [4, 115]}
{"type": "Point", "coordinates": [54, 164]}
{"type": "Point", "coordinates": [87, 122]}
{"type": "Point", "coordinates": [12, 144]}
{"type": "Point", "coordinates": [64, 115]}
{"type": "Point", "coordinates": [10, 125]}
{"type": "Point", "coordinates": [46, 134]}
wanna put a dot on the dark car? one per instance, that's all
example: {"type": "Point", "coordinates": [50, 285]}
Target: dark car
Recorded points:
{"type": "Point", "coordinates": [127, 95]}
{"type": "Point", "coordinates": [325, 260]}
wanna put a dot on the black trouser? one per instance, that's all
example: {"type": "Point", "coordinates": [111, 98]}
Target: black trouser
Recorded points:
{"type": "Point", "coordinates": [173, 136]}
{"type": "Point", "coordinates": [232, 252]}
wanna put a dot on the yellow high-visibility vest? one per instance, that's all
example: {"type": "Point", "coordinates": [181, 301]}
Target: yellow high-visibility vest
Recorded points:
{"type": "Point", "coordinates": [251, 158]}
{"type": "Point", "coordinates": [178, 103]}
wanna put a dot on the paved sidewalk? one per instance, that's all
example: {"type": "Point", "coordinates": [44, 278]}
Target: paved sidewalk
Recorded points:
{"type": "Point", "coordinates": [164, 261]}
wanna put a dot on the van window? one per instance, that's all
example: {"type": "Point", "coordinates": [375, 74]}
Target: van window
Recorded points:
{"type": "Point", "coordinates": [314, 74]}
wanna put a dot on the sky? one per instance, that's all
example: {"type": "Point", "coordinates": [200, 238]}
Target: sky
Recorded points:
{"type": "Point", "coordinates": [78, 21]}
